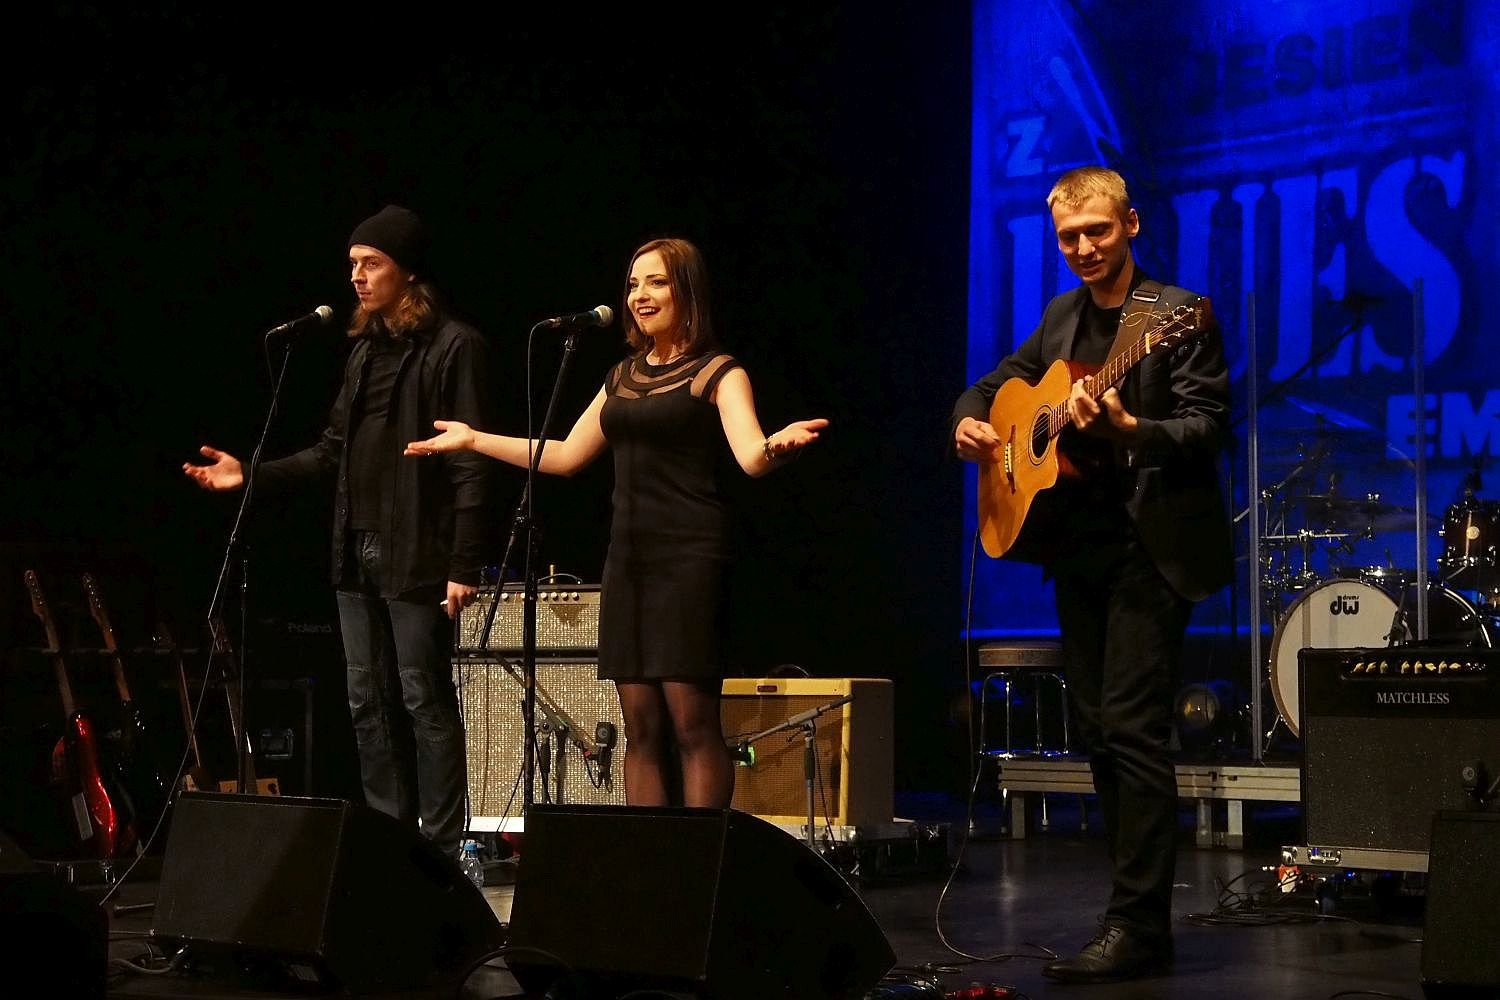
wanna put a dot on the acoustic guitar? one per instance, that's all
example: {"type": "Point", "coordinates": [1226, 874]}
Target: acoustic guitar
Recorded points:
{"type": "Point", "coordinates": [1030, 417]}
{"type": "Point", "coordinates": [99, 807]}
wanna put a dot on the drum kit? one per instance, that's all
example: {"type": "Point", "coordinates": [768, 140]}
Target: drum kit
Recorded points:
{"type": "Point", "coordinates": [1317, 594]}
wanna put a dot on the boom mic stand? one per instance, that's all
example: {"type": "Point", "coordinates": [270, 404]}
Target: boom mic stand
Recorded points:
{"type": "Point", "coordinates": [807, 722]}
{"type": "Point", "coordinates": [523, 525]}
{"type": "Point", "coordinates": [248, 471]}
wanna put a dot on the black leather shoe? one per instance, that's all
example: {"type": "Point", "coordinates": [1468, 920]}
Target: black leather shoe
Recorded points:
{"type": "Point", "coordinates": [1116, 953]}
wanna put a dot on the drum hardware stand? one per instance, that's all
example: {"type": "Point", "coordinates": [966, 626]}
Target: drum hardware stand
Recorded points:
{"type": "Point", "coordinates": [807, 722]}
{"type": "Point", "coordinates": [1259, 661]}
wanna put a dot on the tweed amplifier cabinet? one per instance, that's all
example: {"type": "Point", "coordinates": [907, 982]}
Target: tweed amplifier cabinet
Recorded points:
{"type": "Point", "coordinates": [573, 763]}
{"type": "Point", "coordinates": [1391, 736]}
{"type": "Point", "coordinates": [567, 621]}
{"type": "Point", "coordinates": [854, 783]}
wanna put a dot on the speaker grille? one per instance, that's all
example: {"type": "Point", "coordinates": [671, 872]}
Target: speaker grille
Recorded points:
{"type": "Point", "coordinates": [567, 621]}
{"type": "Point", "coordinates": [854, 782]}
{"type": "Point", "coordinates": [1462, 924]}
{"type": "Point", "coordinates": [494, 735]}
{"type": "Point", "coordinates": [1383, 749]}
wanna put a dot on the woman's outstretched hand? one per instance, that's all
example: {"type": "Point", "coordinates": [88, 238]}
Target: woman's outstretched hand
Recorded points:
{"type": "Point", "coordinates": [794, 437]}
{"type": "Point", "coordinates": [456, 436]}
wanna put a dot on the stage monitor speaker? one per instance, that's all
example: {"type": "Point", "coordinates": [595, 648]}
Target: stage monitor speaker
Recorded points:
{"type": "Point", "coordinates": [48, 927]}
{"type": "Point", "coordinates": [1386, 736]}
{"type": "Point", "coordinates": [712, 902]}
{"type": "Point", "coordinates": [495, 730]}
{"type": "Point", "coordinates": [1461, 936]}
{"type": "Point", "coordinates": [855, 780]}
{"type": "Point", "coordinates": [316, 892]}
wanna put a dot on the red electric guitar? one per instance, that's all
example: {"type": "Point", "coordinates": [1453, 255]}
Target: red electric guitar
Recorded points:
{"type": "Point", "coordinates": [1029, 419]}
{"type": "Point", "coordinates": [103, 819]}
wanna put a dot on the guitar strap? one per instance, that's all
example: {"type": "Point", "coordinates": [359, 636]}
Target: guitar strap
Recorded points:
{"type": "Point", "coordinates": [1138, 305]}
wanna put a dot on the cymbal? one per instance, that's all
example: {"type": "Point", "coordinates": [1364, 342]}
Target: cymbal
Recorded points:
{"type": "Point", "coordinates": [1376, 516]}
{"type": "Point", "coordinates": [1332, 416]}
{"type": "Point", "coordinates": [1297, 445]}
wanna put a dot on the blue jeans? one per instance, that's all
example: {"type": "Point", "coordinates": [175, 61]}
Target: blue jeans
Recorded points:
{"type": "Point", "coordinates": [407, 723]}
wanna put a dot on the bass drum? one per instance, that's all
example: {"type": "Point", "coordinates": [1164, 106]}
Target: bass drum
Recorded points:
{"type": "Point", "coordinates": [1350, 614]}
{"type": "Point", "coordinates": [1336, 614]}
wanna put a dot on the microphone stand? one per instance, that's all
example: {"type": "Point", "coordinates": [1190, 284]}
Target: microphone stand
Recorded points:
{"type": "Point", "coordinates": [523, 525]}
{"type": "Point", "coordinates": [242, 744]}
{"type": "Point", "coordinates": [807, 722]}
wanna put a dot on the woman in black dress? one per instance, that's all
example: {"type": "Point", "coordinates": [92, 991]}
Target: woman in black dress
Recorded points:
{"type": "Point", "coordinates": [671, 411]}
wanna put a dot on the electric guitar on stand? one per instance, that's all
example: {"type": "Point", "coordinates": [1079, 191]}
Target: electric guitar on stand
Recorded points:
{"type": "Point", "coordinates": [134, 749]}
{"type": "Point", "coordinates": [1029, 419]}
{"type": "Point", "coordinates": [99, 807]}
{"type": "Point", "coordinates": [229, 674]}
{"type": "Point", "coordinates": [195, 777]}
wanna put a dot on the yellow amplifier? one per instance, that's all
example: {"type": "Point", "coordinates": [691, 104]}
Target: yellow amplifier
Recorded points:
{"type": "Point", "coordinates": [850, 720]}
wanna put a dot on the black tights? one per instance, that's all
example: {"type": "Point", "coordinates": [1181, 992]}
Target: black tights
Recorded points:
{"type": "Point", "coordinates": [681, 718]}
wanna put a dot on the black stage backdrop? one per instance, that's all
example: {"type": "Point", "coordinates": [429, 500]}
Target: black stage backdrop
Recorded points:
{"type": "Point", "coordinates": [180, 180]}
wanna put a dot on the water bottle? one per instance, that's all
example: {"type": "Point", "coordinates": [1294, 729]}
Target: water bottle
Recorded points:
{"type": "Point", "coordinates": [471, 864]}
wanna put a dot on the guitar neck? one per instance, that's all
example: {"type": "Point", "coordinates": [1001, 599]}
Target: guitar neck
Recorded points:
{"type": "Point", "coordinates": [107, 633]}
{"type": "Point", "coordinates": [43, 612]}
{"type": "Point", "coordinates": [229, 673]}
{"type": "Point", "coordinates": [1168, 331]}
{"type": "Point", "coordinates": [167, 644]}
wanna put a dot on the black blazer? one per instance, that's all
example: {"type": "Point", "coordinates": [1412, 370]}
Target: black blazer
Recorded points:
{"type": "Point", "coordinates": [1181, 398]}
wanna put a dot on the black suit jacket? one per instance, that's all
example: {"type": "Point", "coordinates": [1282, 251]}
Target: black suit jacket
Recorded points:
{"type": "Point", "coordinates": [1181, 398]}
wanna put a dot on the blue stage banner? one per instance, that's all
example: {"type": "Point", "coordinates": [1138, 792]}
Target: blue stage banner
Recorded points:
{"type": "Point", "coordinates": [1326, 174]}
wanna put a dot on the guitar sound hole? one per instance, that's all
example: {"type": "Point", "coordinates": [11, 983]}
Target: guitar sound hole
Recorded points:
{"type": "Point", "coordinates": [1041, 434]}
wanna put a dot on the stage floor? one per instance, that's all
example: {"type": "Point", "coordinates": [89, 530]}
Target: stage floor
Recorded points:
{"type": "Point", "coordinates": [991, 909]}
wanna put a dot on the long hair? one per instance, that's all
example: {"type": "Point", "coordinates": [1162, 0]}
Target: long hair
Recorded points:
{"type": "Point", "coordinates": [689, 278]}
{"type": "Point", "coordinates": [416, 309]}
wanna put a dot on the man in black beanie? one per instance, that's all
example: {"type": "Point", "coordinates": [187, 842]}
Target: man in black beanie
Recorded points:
{"type": "Point", "coordinates": [408, 537]}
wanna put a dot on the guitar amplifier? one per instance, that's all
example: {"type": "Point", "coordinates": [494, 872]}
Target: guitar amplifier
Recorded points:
{"type": "Point", "coordinates": [567, 621]}
{"type": "Point", "coordinates": [572, 767]}
{"type": "Point", "coordinates": [850, 720]}
{"type": "Point", "coordinates": [1391, 736]}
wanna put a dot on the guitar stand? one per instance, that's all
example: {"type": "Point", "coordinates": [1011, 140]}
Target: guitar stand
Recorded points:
{"type": "Point", "coordinates": [807, 722]}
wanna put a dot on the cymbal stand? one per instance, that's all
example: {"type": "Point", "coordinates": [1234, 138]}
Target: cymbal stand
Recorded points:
{"type": "Point", "coordinates": [1257, 660]}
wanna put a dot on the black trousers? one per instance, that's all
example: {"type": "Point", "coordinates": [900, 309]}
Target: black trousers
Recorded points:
{"type": "Point", "coordinates": [1122, 630]}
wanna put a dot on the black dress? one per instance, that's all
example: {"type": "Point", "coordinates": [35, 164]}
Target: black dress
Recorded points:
{"type": "Point", "coordinates": [662, 610]}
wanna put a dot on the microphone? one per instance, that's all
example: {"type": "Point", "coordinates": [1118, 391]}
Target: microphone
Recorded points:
{"type": "Point", "coordinates": [743, 754]}
{"type": "Point", "coordinates": [597, 316]}
{"type": "Point", "coordinates": [604, 745]}
{"type": "Point", "coordinates": [320, 315]}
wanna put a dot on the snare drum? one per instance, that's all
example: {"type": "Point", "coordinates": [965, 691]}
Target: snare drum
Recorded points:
{"type": "Point", "coordinates": [1471, 543]}
{"type": "Point", "coordinates": [1350, 614]}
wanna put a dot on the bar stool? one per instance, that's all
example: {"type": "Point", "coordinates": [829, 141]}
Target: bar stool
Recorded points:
{"type": "Point", "coordinates": [1007, 661]}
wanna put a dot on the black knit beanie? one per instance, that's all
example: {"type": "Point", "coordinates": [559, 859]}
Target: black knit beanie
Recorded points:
{"type": "Point", "coordinates": [398, 233]}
